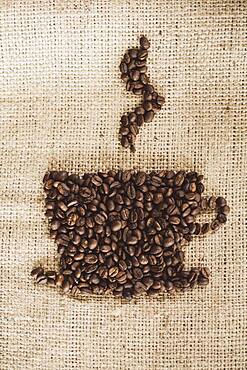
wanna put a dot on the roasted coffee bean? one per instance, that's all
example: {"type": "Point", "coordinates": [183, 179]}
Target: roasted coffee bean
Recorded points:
{"type": "Point", "coordinates": [138, 91]}
{"type": "Point", "coordinates": [145, 44]}
{"type": "Point", "coordinates": [221, 217]}
{"type": "Point", "coordinates": [140, 120]}
{"type": "Point", "coordinates": [133, 53]}
{"type": "Point", "coordinates": [37, 271]}
{"type": "Point", "coordinates": [132, 240]}
{"type": "Point", "coordinates": [59, 280]}
{"type": "Point", "coordinates": [220, 202]}
{"type": "Point", "coordinates": [202, 281]}
{"type": "Point", "coordinates": [113, 271]}
{"type": "Point", "coordinates": [204, 204]}
{"type": "Point", "coordinates": [134, 129]}
{"type": "Point", "coordinates": [100, 219]}
{"type": "Point", "coordinates": [96, 180]}
{"type": "Point", "coordinates": [144, 79]}
{"type": "Point", "coordinates": [135, 75]}
{"type": "Point", "coordinates": [205, 272]}
{"type": "Point", "coordinates": [212, 202]}
{"type": "Point", "coordinates": [147, 105]}
{"type": "Point", "coordinates": [123, 67]}
{"type": "Point", "coordinates": [168, 242]}
{"type": "Point", "coordinates": [225, 209]}
{"type": "Point", "coordinates": [139, 110]}
{"type": "Point", "coordinates": [205, 228]}
{"type": "Point", "coordinates": [160, 100]}
{"type": "Point", "coordinates": [124, 130]}
{"type": "Point", "coordinates": [92, 243]}
{"type": "Point", "coordinates": [51, 274]}
{"type": "Point", "coordinates": [142, 54]}
{"type": "Point", "coordinates": [41, 279]}
{"type": "Point", "coordinates": [66, 286]}
{"type": "Point", "coordinates": [148, 116]}
{"type": "Point", "coordinates": [116, 225]}
{"type": "Point", "coordinates": [125, 142]}
{"type": "Point", "coordinates": [91, 259]}
{"type": "Point", "coordinates": [179, 179]}
{"type": "Point", "coordinates": [215, 225]}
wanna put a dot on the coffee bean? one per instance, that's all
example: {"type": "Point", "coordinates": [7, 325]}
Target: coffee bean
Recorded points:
{"type": "Point", "coordinates": [221, 217]}
{"type": "Point", "coordinates": [133, 53]}
{"type": "Point", "coordinates": [204, 204]}
{"type": "Point", "coordinates": [116, 225]}
{"type": "Point", "coordinates": [179, 179]}
{"type": "Point", "coordinates": [168, 242]}
{"type": "Point", "coordinates": [125, 142]}
{"type": "Point", "coordinates": [66, 286]}
{"type": "Point", "coordinates": [85, 192]}
{"type": "Point", "coordinates": [145, 44]}
{"type": "Point", "coordinates": [132, 240]}
{"type": "Point", "coordinates": [205, 272]}
{"type": "Point", "coordinates": [92, 243]}
{"type": "Point", "coordinates": [127, 58]}
{"type": "Point", "coordinates": [215, 225]}
{"type": "Point", "coordinates": [225, 209]}
{"type": "Point", "coordinates": [36, 272]}
{"type": "Point", "coordinates": [100, 219]}
{"type": "Point", "coordinates": [72, 218]}
{"type": "Point", "coordinates": [138, 91]}
{"type": "Point", "coordinates": [63, 189]}
{"type": "Point", "coordinates": [202, 281]}
{"type": "Point", "coordinates": [148, 116]}
{"type": "Point", "coordinates": [41, 279]}
{"type": "Point", "coordinates": [221, 202]}
{"type": "Point", "coordinates": [135, 75]}
{"type": "Point", "coordinates": [212, 202]}
{"type": "Point", "coordinates": [134, 129]}
{"type": "Point", "coordinates": [124, 130]}
{"type": "Point", "coordinates": [123, 67]}
{"type": "Point", "coordinates": [96, 180]}
{"type": "Point", "coordinates": [113, 271]}
{"type": "Point", "coordinates": [91, 259]}
{"type": "Point", "coordinates": [131, 192]}
{"type": "Point", "coordinates": [140, 120]}
{"type": "Point", "coordinates": [137, 273]}
{"type": "Point", "coordinates": [157, 250]}
{"type": "Point", "coordinates": [143, 260]}
{"type": "Point", "coordinates": [59, 280]}
{"type": "Point", "coordinates": [124, 120]}
{"type": "Point", "coordinates": [139, 110]}
{"type": "Point", "coordinates": [205, 228]}
{"type": "Point", "coordinates": [160, 100]}
{"type": "Point", "coordinates": [174, 220]}
{"type": "Point", "coordinates": [51, 274]}
{"type": "Point", "coordinates": [142, 54]}
{"type": "Point", "coordinates": [144, 79]}
{"type": "Point", "coordinates": [147, 106]}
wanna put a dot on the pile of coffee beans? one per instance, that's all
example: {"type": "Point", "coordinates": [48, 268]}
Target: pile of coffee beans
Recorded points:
{"type": "Point", "coordinates": [134, 72]}
{"type": "Point", "coordinates": [124, 231]}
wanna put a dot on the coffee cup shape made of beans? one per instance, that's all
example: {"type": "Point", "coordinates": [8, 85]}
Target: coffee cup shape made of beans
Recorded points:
{"type": "Point", "coordinates": [124, 232]}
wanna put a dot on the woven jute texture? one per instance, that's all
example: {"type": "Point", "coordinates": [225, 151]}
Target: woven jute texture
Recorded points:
{"type": "Point", "coordinates": [61, 101]}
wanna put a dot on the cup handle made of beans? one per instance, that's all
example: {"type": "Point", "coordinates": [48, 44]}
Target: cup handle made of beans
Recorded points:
{"type": "Point", "coordinates": [219, 205]}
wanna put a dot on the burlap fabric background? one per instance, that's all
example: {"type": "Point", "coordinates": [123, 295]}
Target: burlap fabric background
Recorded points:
{"type": "Point", "coordinates": [61, 100]}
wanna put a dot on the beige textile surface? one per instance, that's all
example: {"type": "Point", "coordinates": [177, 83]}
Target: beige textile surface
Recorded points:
{"type": "Point", "coordinates": [61, 100]}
